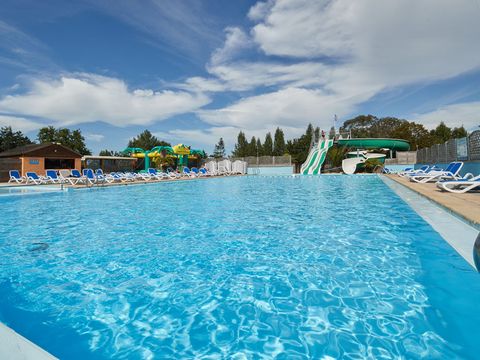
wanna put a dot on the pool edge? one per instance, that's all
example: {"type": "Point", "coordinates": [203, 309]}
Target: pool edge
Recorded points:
{"type": "Point", "coordinates": [442, 220]}
{"type": "Point", "coordinates": [14, 346]}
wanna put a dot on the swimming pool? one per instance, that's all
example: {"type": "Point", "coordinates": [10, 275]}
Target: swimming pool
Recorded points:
{"type": "Point", "coordinates": [295, 267]}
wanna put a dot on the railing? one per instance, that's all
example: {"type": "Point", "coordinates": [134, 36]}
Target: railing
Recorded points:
{"type": "Point", "coordinates": [463, 149]}
{"type": "Point", "coordinates": [255, 161]}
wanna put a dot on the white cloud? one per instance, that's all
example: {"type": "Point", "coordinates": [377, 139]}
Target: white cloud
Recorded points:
{"type": "Point", "coordinates": [208, 137]}
{"type": "Point", "coordinates": [466, 114]}
{"type": "Point", "coordinates": [260, 10]}
{"type": "Point", "coordinates": [240, 76]}
{"type": "Point", "coordinates": [94, 137]}
{"type": "Point", "coordinates": [235, 42]}
{"type": "Point", "coordinates": [88, 98]}
{"type": "Point", "coordinates": [182, 28]}
{"type": "Point", "coordinates": [19, 123]}
{"type": "Point", "coordinates": [342, 54]}
{"type": "Point", "coordinates": [396, 41]}
{"type": "Point", "coordinates": [290, 107]}
{"type": "Point", "coordinates": [21, 50]}
{"type": "Point", "coordinates": [201, 138]}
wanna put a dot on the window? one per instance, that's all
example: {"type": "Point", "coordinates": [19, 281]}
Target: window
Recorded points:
{"type": "Point", "coordinates": [59, 163]}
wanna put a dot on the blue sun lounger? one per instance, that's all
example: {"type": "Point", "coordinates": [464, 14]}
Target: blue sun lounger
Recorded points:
{"type": "Point", "coordinates": [51, 176]}
{"type": "Point", "coordinates": [155, 174]}
{"type": "Point", "coordinates": [187, 172]}
{"type": "Point", "coordinates": [450, 173]}
{"type": "Point", "coordinates": [16, 177]}
{"type": "Point", "coordinates": [91, 178]}
{"type": "Point", "coordinates": [34, 178]}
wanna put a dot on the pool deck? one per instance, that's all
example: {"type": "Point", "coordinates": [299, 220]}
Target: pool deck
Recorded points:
{"type": "Point", "coordinates": [116, 183]}
{"type": "Point", "coordinates": [467, 205]}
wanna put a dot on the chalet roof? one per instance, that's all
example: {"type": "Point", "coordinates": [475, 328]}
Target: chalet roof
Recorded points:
{"type": "Point", "coordinates": [50, 150]}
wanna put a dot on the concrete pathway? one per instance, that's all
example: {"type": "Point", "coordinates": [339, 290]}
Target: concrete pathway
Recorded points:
{"type": "Point", "coordinates": [465, 205]}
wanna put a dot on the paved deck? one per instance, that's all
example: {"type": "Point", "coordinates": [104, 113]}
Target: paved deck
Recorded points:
{"type": "Point", "coordinates": [465, 205]}
{"type": "Point", "coordinates": [117, 183]}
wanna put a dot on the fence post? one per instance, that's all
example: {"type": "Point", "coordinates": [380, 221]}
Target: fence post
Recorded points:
{"type": "Point", "coordinates": [468, 147]}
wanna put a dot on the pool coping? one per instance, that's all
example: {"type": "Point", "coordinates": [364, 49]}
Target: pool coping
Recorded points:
{"type": "Point", "coordinates": [14, 346]}
{"type": "Point", "coordinates": [459, 233]}
{"type": "Point", "coordinates": [458, 204]}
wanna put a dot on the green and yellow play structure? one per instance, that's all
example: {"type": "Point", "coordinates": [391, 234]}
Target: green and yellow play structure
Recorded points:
{"type": "Point", "coordinates": [180, 152]}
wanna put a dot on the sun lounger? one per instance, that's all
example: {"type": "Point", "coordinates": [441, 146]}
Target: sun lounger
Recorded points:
{"type": "Point", "coordinates": [78, 176]}
{"type": "Point", "coordinates": [172, 174]}
{"type": "Point", "coordinates": [16, 177]}
{"type": "Point", "coordinates": [100, 175]}
{"type": "Point", "coordinates": [423, 170]}
{"type": "Point", "coordinates": [195, 171]}
{"type": "Point", "coordinates": [155, 174]}
{"type": "Point", "coordinates": [188, 173]}
{"type": "Point", "coordinates": [450, 173]}
{"type": "Point", "coordinates": [91, 177]}
{"type": "Point", "coordinates": [113, 177]}
{"type": "Point", "coordinates": [203, 172]}
{"type": "Point", "coordinates": [144, 176]}
{"type": "Point", "coordinates": [32, 177]}
{"type": "Point", "coordinates": [463, 185]}
{"type": "Point", "coordinates": [52, 177]}
{"type": "Point", "coordinates": [66, 177]}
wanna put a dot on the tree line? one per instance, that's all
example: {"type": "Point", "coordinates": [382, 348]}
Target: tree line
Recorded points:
{"type": "Point", "coordinates": [73, 139]}
{"type": "Point", "coordinates": [368, 126]}
{"type": "Point", "coordinates": [255, 147]}
{"type": "Point", "coordinates": [389, 127]}
{"type": "Point", "coordinates": [360, 126]}
{"type": "Point", "coordinates": [145, 140]}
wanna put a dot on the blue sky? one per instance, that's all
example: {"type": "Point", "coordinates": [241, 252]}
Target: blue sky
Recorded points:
{"type": "Point", "coordinates": [192, 71]}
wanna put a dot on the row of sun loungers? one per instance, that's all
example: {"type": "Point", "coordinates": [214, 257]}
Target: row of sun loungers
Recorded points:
{"type": "Point", "coordinates": [448, 179]}
{"type": "Point", "coordinates": [88, 176]}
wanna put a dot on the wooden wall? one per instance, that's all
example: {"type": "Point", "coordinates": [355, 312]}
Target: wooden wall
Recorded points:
{"type": "Point", "coordinates": [7, 164]}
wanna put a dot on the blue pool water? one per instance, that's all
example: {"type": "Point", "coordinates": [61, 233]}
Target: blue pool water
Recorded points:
{"type": "Point", "coordinates": [252, 267]}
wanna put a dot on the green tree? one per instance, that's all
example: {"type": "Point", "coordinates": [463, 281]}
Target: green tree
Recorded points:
{"type": "Point", "coordinates": [335, 156]}
{"type": "Point", "coordinates": [252, 147]}
{"type": "Point", "coordinates": [279, 146]}
{"type": "Point", "coordinates": [71, 139]}
{"type": "Point", "coordinates": [259, 147]}
{"type": "Point", "coordinates": [47, 134]}
{"type": "Point", "coordinates": [146, 141]}
{"type": "Point", "coordinates": [459, 132]}
{"type": "Point", "coordinates": [331, 133]}
{"type": "Point", "coordinates": [10, 139]}
{"type": "Point", "coordinates": [109, 153]}
{"type": "Point", "coordinates": [442, 133]}
{"type": "Point", "coordinates": [268, 145]}
{"type": "Point", "coordinates": [390, 127]}
{"type": "Point", "coordinates": [241, 147]}
{"type": "Point", "coordinates": [359, 126]}
{"type": "Point", "coordinates": [219, 151]}
{"type": "Point", "coordinates": [298, 148]}
{"type": "Point", "coordinates": [317, 133]}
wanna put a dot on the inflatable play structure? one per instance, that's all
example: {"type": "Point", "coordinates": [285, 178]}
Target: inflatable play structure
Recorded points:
{"type": "Point", "coordinates": [363, 150]}
{"type": "Point", "coordinates": [180, 152]}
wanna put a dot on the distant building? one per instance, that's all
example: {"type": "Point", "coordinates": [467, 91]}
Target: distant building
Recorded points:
{"type": "Point", "coordinates": [38, 158]}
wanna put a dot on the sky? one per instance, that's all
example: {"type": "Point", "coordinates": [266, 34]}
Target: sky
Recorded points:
{"type": "Point", "coordinates": [192, 71]}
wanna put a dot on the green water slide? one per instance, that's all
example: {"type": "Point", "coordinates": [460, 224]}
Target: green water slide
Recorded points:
{"type": "Point", "coordinates": [316, 158]}
{"type": "Point", "coordinates": [312, 157]}
{"type": "Point", "coordinates": [375, 143]}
